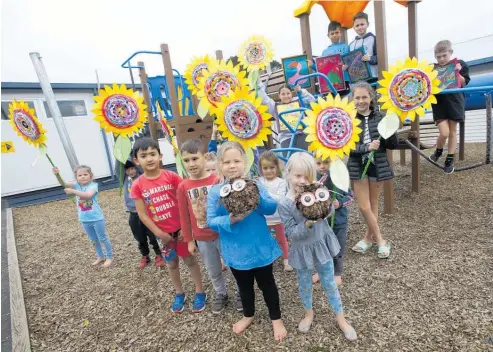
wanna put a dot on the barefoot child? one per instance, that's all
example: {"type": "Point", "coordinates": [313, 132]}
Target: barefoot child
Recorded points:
{"type": "Point", "coordinates": [192, 201]}
{"type": "Point", "coordinates": [246, 243]}
{"type": "Point", "coordinates": [271, 179]}
{"type": "Point", "coordinates": [313, 245]}
{"type": "Point", "coordinates": [156, 202]}
{"type": "Point", "coordinates": [139, 230]}
{"type": "Point", "coordinates": [91, 217]}
{"type": "Point", "coordinates": [450, 108]}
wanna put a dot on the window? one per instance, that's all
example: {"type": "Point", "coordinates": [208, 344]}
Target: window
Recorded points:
{"type": "Point", "coordinates": [68, 108]}
{"type": "Point", "coordinates": [5, 108]}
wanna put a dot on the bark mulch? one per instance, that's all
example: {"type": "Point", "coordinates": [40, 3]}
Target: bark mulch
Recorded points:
{"type": "Point", "coordinates": [435, 293]}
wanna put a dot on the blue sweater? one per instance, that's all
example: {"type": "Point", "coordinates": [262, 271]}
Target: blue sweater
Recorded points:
{"type": "Point", "coordinates": [246, 244]}
{"type": "Point", "coordinates": [337, 48]}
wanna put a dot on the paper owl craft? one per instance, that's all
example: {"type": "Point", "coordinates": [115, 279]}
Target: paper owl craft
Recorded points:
{"type": "Point", "coordinates": [314, 202]}
{"type": "Point", "coordinates": [240, 196]}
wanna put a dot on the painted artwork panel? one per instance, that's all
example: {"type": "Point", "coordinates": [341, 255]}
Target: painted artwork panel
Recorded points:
{"type": "Point", "coordinates": [294, 67]}
{"type": "Point", "coordinates": [358, 70]}
{"type": "Point", "coordinates": [331, 66]}
{"type": "Point", "coordinates": [448, 76]}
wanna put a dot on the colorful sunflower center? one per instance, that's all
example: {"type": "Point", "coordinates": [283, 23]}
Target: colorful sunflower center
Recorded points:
{"type": "Point", "coordinates": [255, 52]}
{"type": "Point", "coordinates": [334, 127]}
{"type": "Point", "coordinates": [26, 124]}
{"type": "Point", "coordinates": [120, 111]}
{"type": "Point", "coordinates": [220, 83]}
{"type": "Point", "coordinates": [197, 72]}
{"type": "Point", "coordinates": [409, 89]}
{"type": "Point", "coordinates": [242, 119]}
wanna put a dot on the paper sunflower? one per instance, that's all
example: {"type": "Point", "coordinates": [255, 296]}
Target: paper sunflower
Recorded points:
{"type": "Point", "coordinates": [218, 82]}
{"type": "Point", "coordinates": [255, 53]}
{"type": "Point", "coordinates": [25, 123]}
{"type": "Point", "coordinates": [194, 72]}
{"type": "Point", "coordinates": [332, 129]}
{"type": "Point", "coordinates": [408, 88]}
{"type": "Point", "coordinates": [242, 118]}
{"type": "Point", "coordinates": [120, 110]}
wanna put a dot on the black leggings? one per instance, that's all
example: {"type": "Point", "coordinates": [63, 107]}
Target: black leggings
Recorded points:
{"type": "Point", "coordinates": [266, 283]}
{"type": "Point", "coordinates": [141, 233]}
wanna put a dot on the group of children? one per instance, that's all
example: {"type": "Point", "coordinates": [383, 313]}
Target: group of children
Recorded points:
{"type": "Point", "coordinates": [188, 216]}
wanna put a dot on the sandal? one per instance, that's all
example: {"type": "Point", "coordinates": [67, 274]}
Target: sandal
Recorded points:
{"type": "Point", "coordinates": [384, 251]}
{"type": "Point", "coordinates": [361, 247]}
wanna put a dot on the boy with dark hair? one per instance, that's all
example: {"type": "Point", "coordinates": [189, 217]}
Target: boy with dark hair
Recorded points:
{"type": "Point", "coordinates": [157, 205]}
{"type": "Point", "coordinates": [365, 39]}
{"type": "Point", "coordinates": [450, 108]}
{"type": "Point", "coordinates": [336, 46]}
{"type": "Point", "coordinates": [139, 230]}
{"type": "Point", "coordinates": [192, 202]}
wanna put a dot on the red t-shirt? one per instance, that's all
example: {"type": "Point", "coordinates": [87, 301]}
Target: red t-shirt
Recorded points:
{"type": "Point", "coordinates": [192, 201]}
{"type": "Point", "coordinates": [159, 196]}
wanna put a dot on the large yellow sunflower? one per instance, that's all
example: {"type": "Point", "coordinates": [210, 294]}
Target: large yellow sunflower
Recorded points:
{"type": "Point", "coordinates": [255, 53]}
{"type": "Point", "coordinates": [120, 110]}
{"type": "Point", "coordinates": [332, 129]}
{"type": "Point", "coordinates": [217, 82]}
{"type": "Point", "coordinates": [25, 123]}
{"type": "Point", "coordinates": [241, 117]}
{"type": "Point", "coordinates": [408, 88]}
{"type": "Point", "coordinates": [194, 71]}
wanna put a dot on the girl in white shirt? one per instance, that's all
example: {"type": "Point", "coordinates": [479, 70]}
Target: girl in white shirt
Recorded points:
{"type": "Point", "coordinates": [271, 179]}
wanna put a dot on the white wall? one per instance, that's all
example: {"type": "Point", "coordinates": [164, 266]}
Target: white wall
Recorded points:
{"type": "Point", "coordinates": [18, 174]}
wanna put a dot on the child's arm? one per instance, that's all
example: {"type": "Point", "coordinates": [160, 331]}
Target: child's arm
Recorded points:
{"type": "Point", "coordinates": [361, 148]}
{"type": "Point", "coordinates": [215, 221]}
{"type": "Point", "coordinates": [389, 143]}
{"type": "Point", "coordinates": [266, 100]}
{"type": "Point", "coordinates": [87, 195]}
{"type": "Point", "coordinates": [267, 205]}
{"type": "Point", "coordinates": [463, 73]}
{"type": "Point", "coordinates": [185, 220]}
{"type": "Point", "coordinates": [345, 200]}
{"type": "Point", "coordinates": [293, 229]}
{"type": "Point", "coordinates": [56, 171]}
{"type": "Point", "coordinates": [373, 58]}
{"type": "Point", "coordinates": [212, 147]}
{"type": "Point", "coordinates": [141, 210]}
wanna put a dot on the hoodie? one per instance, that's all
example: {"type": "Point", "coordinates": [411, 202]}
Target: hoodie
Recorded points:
{"type": "Point", "coordinates": [369, 42]}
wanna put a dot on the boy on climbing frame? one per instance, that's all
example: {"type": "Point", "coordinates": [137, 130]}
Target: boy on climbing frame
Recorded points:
{"type": "Point", "coordinates": [367, 40]}
{"type": "Point", "coordinates": [336, 46]}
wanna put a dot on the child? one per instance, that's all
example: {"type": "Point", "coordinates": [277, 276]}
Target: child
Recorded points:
{"type": "Point", "coordinates": [336, 47]}
{"type": "Point", "coordinates": [271, 179]}
{"type": "Point", "coordinates": [139, 230]}
{"type": "Point", "coordinates": [192, 201]}
{"type": "Point", "coordinates": [366, 40]}
{"type": "Point", "coordinates": [156, 202]}
{"type": "Point", "coordinates": [211, 163]}
{"type": "Point", "coordinates": [91, 216]}
{"type": "Point", "coordinates": [322, 166]}
{"type": "Point", "coordinates": [246, 243]}
{"type": "Point", "coordinates": [367, 190]}
{"type": "Point", "coordinates": [450, 108]}
{"type": "Point", "coordinates": [313, 245]}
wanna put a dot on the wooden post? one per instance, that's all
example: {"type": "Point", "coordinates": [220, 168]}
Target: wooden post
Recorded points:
{"type": "Point", "coordinates": [147, 99]}
{"type": "Point", "coordinates": [306, 41]}
{"type": "Point", "coordinates": [219, 54]}
{"type": "Point", "coordinates": [381, 33]}
{"type": "Point", "coordinates": [344, 35]}
{"type": "Point", "coordinates": [170, 82]}
{"type": "Point", "coordinates": [412, 19]}
{"type": "Point", "coordinates": [462, 141]}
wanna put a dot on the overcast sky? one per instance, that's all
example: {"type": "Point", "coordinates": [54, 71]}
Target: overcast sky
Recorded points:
{"type": "Point", "coordinates": [76, 37]}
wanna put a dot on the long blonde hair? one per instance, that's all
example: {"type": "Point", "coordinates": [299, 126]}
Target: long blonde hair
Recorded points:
{"type": "Point", "coordinates": [224, 148]}
{"type": "Point", "coordinates": [303, 161]}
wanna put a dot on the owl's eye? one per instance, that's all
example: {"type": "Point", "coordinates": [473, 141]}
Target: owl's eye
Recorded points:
{"type": "Point", "coordinates": [225, 190]}
{"type": "Point", "coordinates": [322, 194]}
{"type": "Point", "coordinates": [238, 185]}
{"type": "Point", "coordinates": [307, 199]}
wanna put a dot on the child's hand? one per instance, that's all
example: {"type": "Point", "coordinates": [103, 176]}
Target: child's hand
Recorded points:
{"type": "Point", "coordinates": [336, 204]}
{"type": "Point", "coordinates": [344, 67]}
{"type": "Point", "coordinates": [56, 171]}
{"type": "Point", "coordinates": [365, 57]}
{"type": "Point", "coordinates": [180, 236]}
{"type": "Point", "coordinates": [374, 145]}
{"type": "Point", "coordinates": [214, 130]}
{"type": "Point", "coordinates": [69, 191]}
{"type": "Point", "coordinates": [192, 248]}
{"type": "Point", "coordinates": [297, 88]}
{"type": "Point", "coordinates": [458, 67]}
{"type": "Point", "coordinates": [164, 236]}
{"type": "Point", "coordinates": [235, 218]}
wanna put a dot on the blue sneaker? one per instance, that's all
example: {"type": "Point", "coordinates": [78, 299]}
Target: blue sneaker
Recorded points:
{"type": "Point", "coordinates": [179, 303]}
{"type": "Point", "coordinates": [199, 302]}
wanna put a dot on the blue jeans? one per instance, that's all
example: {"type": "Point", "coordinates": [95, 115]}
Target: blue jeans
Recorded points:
{"type": "Point", "coordinates": [96, 232]}
{"type": "Point", "coordinates": [326, 273]}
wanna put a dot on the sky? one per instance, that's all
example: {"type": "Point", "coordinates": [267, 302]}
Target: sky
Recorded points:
{"type": "Point", "coordinates": [75, 38]}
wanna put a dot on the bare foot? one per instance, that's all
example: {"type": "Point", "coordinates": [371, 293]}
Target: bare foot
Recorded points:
{"type": "Point", "coordinates": [338, 280]}
{"type": "Point", "coordinates": [242, 324]}
{"type": "Point", "coordinates": [287, 267]}
{"type": "Point", "coordinates": [280, 331]}
{"type": "Point", "coordinates": [107, 263]}
{"type": "Point", "coordinates": [223, 267]}
{"type": "Point", "coordinates": [97, 261]}
{"type": "Point", "coordinates": [306, 322]}
{"type": "Point", "coordinates": [315, 278]}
